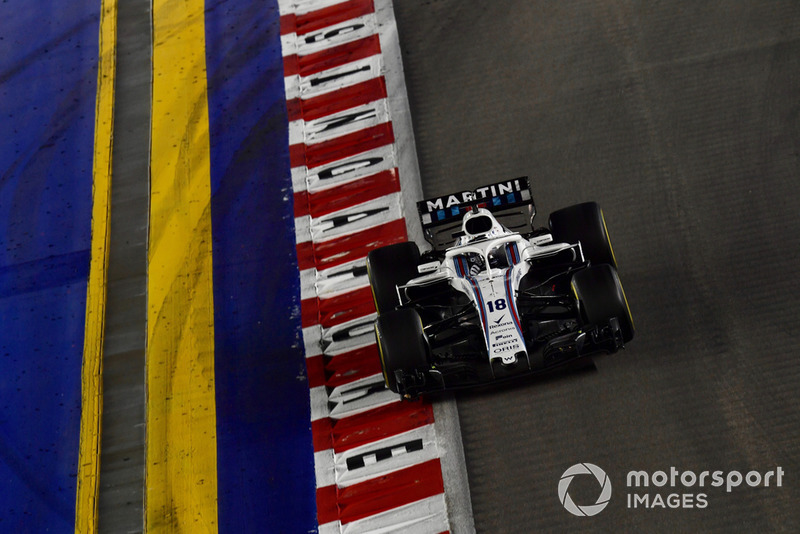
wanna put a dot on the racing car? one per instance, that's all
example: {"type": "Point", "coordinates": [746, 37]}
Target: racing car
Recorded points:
{"type": "Point", "coordinates": [495, 298]}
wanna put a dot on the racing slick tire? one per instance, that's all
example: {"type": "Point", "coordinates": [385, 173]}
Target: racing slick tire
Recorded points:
{"type": "Point", "coordinates": [601, 297]}
{"type": "Point", "coordinates": [402, 344]}
{"type": "Point", "coordinates": [584, 223]}
{"type": "Point", "coordinates": [388, 267]}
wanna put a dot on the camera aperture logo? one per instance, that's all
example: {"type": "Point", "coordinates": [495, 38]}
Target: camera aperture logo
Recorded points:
{"type": "Point", "coordinates": [602, 499]}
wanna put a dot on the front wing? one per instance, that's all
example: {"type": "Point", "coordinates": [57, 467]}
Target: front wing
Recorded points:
{"type": "Point", "coordinates": [477, 370]}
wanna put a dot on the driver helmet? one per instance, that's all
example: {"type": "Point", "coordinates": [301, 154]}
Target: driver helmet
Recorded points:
{"type": "Point", "coordinates": [480, 224]}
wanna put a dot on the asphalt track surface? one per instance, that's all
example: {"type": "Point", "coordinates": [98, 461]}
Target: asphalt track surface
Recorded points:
{"type": "Point", "coordinates": [682, 119]}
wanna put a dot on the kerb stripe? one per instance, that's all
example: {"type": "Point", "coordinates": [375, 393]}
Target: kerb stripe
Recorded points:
{"type": "Point", "coordinates": [347, 173]}
{"type": "Point", "coordinates": [325, 17]}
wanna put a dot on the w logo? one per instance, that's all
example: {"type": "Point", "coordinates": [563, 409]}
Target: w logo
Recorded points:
{"type": "Point", "coordinates": [584, 469]}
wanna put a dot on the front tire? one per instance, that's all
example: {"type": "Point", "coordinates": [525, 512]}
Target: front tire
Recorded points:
{"type": "Point", "coordinates": [389, 267]}
{"type": "Point", "coordinates": [402, 344]}
{"type": "Point", "coordinates": [601, 297]}
{"type": "Point", "coordinates": [584, 223]}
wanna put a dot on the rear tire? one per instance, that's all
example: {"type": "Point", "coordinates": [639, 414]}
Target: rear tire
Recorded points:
{"type": "Point", "coordinates": [402, 344]}
{"type": "Point", "coordinates": [389, 267]}
{"type": "Point", "coordinates": [584, 223]}
{"type": "Point", "coordinates": [601, 297]}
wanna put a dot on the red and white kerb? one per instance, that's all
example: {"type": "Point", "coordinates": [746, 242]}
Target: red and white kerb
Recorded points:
{"type": "Point", "coordinates": [376, 459]}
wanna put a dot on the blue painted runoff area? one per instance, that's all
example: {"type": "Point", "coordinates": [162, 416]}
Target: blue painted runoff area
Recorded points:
{"type": "Point", "coordinates": [265, 460]}
{"type": "Point", "coordinates": [48, 77]}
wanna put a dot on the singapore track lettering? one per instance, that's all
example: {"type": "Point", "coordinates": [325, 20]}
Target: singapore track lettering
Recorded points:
{"type": "Point", "coordinates": [385, 453]}
{"type": "Point", "coordinates": [351, 168]}
{"type": "Point", "coordinates": [334, 277]}
{"type": "Point", "coordinates": [341, 76]}
{"type": "Point", "coordinates": [328, 124]}
{"type": "Point", "coordinates": [348, 336]}
{"type": "Point", "coordinates": [341, 278]}
{"type": "Point", "coordinates": [317, 37]}
{"type": "Point", "coordinates": [349, 31]}
{"type": "Point", "coordinates": [341, 221]}
{"type": "Point", "coordinates": [341, 169]}
{"type": "Point", "coordinates": [358, 393]}
{"type": "Point", "coordinates": [319, 80]}
{"type": "Point", "coordinates": [348, 399]}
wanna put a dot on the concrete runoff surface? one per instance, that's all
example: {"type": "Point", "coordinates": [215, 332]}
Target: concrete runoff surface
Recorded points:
{"type": "Point", "coordinates": [682, 119]}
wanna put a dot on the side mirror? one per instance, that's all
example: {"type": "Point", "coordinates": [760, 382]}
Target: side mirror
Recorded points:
{"type": "Point", "coordinates": [542, 239]}
{"type": "Point", "coordinates": [429, 267]}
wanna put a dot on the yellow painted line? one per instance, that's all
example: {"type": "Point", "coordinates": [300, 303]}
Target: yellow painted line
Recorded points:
{"type": "Point", "coordinates": [91, 373]}
{"type": "Point", "coordinates": [608, 237]}
{"type": "Point", "coordinates": [627, 306]}
{"type": "Point", "coordinates": [380, 352]}
{"type": "Point", "coordinates": [181, 475]}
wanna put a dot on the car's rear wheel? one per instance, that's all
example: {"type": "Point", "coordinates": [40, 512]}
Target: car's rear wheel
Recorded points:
{"type": "Point", "coordinates": [584, 223]}
{"type": "Point", "coordinates": [401, 343]}
{"type": "Point", "coordinates": [389, 267]}
{"type": "Point", "coordinates": [601, 297]}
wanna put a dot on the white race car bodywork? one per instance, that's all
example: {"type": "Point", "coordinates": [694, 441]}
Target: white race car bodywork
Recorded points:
{"type": "Point", "coordinates": [495, 298]}
{"type": "Point", "coordinates": [501, 257]}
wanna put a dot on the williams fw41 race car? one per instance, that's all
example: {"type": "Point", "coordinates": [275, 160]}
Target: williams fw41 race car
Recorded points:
{"type": "Point", "coordinates": [494, 298]}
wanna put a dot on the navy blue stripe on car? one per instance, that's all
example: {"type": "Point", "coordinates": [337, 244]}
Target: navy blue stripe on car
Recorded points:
{"type": "Point", "coordinates": [460, 264]}
{"type": "Point", "coordinates": [479, 297]}
{"type": "Point", "coordinates": [512, 254]}
{"type": "Point", "coordinates": [512, 302]}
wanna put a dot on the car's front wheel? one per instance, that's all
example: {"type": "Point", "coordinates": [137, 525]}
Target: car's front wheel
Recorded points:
{"type": "Point", "coordinates": [401, 343]}
{"type": "Point", "coordinates": [600, 298]}
{"type": "Point", "coordinates": [389, 267]}
{"type": "Point", "coordinates": [584, 223]}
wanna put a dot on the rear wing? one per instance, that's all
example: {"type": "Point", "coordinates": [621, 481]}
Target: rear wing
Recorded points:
{"type": "Point", "coordinates": [510, 202]}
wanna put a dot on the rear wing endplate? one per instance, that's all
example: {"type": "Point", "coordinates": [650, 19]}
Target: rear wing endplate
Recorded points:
{"type": "Point", "coordinates": [510, 202]}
